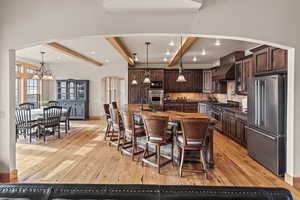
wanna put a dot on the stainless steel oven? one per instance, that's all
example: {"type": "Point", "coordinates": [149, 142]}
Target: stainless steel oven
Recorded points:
{"type": "Point", "coordinates": [156, 96]}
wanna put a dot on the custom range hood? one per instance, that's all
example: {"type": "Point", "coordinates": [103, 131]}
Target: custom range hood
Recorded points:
{"type": "Point", "coordinates": [226, 71]}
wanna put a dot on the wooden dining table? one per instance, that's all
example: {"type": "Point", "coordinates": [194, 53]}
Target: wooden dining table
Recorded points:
{"type": "Point", "coordinates": [177, 116]}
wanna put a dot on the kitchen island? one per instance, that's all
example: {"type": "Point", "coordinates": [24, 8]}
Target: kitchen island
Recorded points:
{"type": "Point", "coordinates": [175, 117]}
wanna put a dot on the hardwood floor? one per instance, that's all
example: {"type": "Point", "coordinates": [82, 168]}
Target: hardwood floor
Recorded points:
{"type": "Point", "coordinates": [84, 157]}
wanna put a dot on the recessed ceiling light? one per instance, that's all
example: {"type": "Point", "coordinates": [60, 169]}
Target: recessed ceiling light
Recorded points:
{"type": "Point", "coordinates": [107, 60]}
{"type": "Point", "coordinates": [171, 43]}
{"type": "Point", "coordinates": [195, 59]}
{"type": "Point", "coordinates": [168, 53]}
{"type": "Point", "coordinates": [217, 43]}
{"type": "Point", "coordinates": [165, 59]}
{"type": "Point", "coordinates": [203, 53]}
{"type": "Point", "coordinates": [93, 52]}
{"type": "Point", "coordinates": [136, 59]}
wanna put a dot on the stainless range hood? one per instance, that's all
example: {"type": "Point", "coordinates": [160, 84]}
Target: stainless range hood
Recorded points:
{"type": "Point", "coordinates": [226, 72]}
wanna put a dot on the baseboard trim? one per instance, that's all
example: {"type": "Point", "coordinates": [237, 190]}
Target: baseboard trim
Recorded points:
{"type": "Point", "coordinates": [294, 181]}
{"type": "Point", "coordinates": [11, 177]}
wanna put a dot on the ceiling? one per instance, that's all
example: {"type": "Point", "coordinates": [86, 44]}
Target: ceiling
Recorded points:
{"type": "Point", "coordinates": [98, 48]}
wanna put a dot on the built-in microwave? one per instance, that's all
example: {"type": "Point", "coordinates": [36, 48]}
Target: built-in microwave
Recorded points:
{"type": "Point", "coordinates": [156, 85]}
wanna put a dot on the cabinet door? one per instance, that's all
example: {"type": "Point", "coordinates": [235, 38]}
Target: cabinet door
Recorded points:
{"type": "Point", "coordinates": [240, 131]}
{"type": "Point", "coordinates": [278, 59]}
{"type": "Point", "coordinates": [238, 77]}
{"type": "Point", "coordinates": [72, 90]}
{"type": "Point", "coordinates": [207, 81]}
{"type": "Point", "coordinates": [233, 128]}
{"type": "Point", "coordinates": [197, 80]}
{"type": "Point", "coordinates": [62, 90]}
{"type": "Point", "coordinates": [247, 73]}
{"type": "Point", "coordinates": [170, 81]}
{"type": "Point", "coordinates": [261, 61]}
{"type": "Point", "coordinates": [157, 75]}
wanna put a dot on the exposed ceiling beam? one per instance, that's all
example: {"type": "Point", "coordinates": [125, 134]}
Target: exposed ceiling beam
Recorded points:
{"type": "Point", "coordinates": [186, 44]}
{"type": "Point", "coordinates": [121, 48]}
{"type": "Point", "coordinates": [73, 53]}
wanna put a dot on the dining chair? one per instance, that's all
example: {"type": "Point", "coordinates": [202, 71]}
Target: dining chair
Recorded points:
{"type": "Point", "coordinates": [25, 125]}
{"type": "Point", "coordinates": [156, 134]}
{"type": "Point", "coordinates": [114, 105]}
{"type": "Point", "coordinates": [65, 118]}
{"type": "Point", "coordinates": [52, 103]}
{"type": "Point", "coordinates": [193, 138]}
{"type": "Point", "coordinates": [132, 131]}
{"type": "Point", "coordinates": [117, 127]}
{"type": "Point", "coordinates": [109, 123]}
{"type": "Point", "coordinates": [26, 105]}
{"type": "Point", "coordinates": [50, 120]}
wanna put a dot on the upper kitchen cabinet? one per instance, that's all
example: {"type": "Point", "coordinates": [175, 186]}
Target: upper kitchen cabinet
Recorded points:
{"type": "Point", "coordinates": [193, 81]}
{"type": "Point", "coordinates": [269, 60]}
{"type": "Point", "coordinates": [157, 75]}
{"type": "Point", "coordinates": [137, 93]}
{"type": "Point", "coordinates": [244, 71]}
{"type": "Point", "coordinates": [207, 81]}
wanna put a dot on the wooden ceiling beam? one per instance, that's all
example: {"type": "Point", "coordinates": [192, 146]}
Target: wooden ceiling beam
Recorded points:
{"type": "Point", "coordinates": [73, 53]}
{"type": "Point", "coordinates": [186, 44]}
{"type": "Point", "coordinates": [121, 48]}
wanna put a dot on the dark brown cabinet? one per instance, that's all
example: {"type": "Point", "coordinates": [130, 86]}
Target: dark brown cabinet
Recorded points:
{"type": "Point", "coordinates": [137, 93]}
{"type": "Point", "coordinates": [234, 127]}
{"type": "Point", "coordinates": [269, 60]}
{"type": "Point", "coordinates": [193, 81]}
{"type": "Point", "coordinates": [244, 71]}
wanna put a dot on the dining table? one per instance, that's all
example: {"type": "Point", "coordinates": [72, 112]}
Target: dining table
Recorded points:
{"type": "Point", "coordinates": [177, 116]}
{"type": "Point", "coordinates": [38, 113]}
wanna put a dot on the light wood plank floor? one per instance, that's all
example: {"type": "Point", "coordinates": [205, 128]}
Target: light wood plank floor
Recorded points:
{"type": "Point", "coordinates": [84, 157]}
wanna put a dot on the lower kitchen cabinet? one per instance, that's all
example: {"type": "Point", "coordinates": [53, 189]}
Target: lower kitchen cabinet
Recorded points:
{"type": "Point", "coordinates": [234, 128]}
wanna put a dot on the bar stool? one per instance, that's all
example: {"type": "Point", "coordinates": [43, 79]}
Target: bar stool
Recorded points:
{"type": "Point", "coordinates": [108, 121]}
{"type": "Point", "coordinates": [117, 127]}
{"type": "Point", "coordinates": [131, 133]}
{"type": "Point", "coordinates": [193, 138]}
{"type": "Point", "coordinates": [156, 134]}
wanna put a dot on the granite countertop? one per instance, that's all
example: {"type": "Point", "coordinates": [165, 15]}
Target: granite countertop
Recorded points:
{"type": "Point", "coordinates": [237, 110]}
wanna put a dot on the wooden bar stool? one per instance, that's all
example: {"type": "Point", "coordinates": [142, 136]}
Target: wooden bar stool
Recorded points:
{"type": "Point", "coordinates": [193, 138]}
{"type": "Point", "coordinates": [117, 129]}
{"type": "Point", "coordinates": [109, 123]}
{"type": "Point", "coordinates": [131, 133]}
{"type": "Point", "coordinates": [155, 127]}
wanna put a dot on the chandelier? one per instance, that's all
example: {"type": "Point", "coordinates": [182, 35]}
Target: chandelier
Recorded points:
{"type": "Point", "coordinates": [43, 73]}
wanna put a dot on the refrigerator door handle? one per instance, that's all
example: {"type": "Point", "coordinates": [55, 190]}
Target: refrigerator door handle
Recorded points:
{"type": "Point", "coordinates": [255, 102]}
{"type": "Point", "coordinates": [261, 133]}
{"type": "Point", "coordinates": [258, 102]}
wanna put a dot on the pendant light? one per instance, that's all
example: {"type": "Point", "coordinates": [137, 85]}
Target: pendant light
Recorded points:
{"type": "Point", "coordinates": [43, 73]}
{"type": "Point", "coordinates": [181, 77]}
{"type": "Point", "coordinates": [147, 78]}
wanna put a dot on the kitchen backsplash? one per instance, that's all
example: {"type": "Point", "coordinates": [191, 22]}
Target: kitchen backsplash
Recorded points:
{"type": "Point", "coordinates": [190, 96]}
{"type": "Point", "coordinates": [231, 96]}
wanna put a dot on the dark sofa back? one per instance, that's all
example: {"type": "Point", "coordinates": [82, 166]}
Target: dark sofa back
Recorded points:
{"type": "Point", "coordinates": [137, 192]}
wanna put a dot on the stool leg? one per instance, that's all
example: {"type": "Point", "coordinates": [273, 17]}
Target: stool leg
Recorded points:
{"type": "Point", "coordinates": [158, 157]}
{"type": "Point", "coordinates": [181, 162]}
{"type": "Point", "coordinates": [203, 162]}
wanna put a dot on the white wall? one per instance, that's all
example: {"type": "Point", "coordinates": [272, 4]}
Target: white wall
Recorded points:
{"type": "Point", "coordinates": [92, 73]}
{"type": "Point", "coordinates": [24, 23]}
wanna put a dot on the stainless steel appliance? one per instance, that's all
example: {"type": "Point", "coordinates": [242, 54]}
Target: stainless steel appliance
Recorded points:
{"type": "Point", "coordinates": [266, 133]}
{"type": "Point", "coordinates": [156, 96]}
{"type": "Point", "coordinates": [156, 85]}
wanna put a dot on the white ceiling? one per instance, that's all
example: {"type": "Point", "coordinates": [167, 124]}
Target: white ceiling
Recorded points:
{"type": "Point", "coordinates": [103, 51]}
{"type": "Point", "coordinates": [95, 47]}
{"type": "Point", "coordinates": [160, 45]}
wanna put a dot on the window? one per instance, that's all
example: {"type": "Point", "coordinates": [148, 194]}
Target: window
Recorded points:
{"type": "Point", "coordinates": [18, 91]}
{"type": "Point", "coordinates": [33, 91]}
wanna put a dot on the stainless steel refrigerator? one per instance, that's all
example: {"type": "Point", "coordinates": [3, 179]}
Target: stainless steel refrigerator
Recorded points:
{"type": "Point", "coordinates": [266, 131]}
